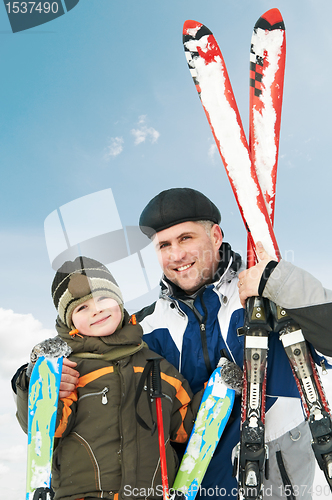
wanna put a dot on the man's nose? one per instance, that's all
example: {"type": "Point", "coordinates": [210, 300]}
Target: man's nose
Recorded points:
{"type": "Point", "coordinates": [177, 254]}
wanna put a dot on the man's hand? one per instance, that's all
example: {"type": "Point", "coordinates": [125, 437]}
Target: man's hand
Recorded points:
{"type": "Point", "coordinates": [69, 378]}
{"type": "Point", "coordinates": [250, 278]}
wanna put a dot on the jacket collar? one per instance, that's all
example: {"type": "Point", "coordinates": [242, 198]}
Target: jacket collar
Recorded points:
{"type": "Point", "coordinates": [129, 335]}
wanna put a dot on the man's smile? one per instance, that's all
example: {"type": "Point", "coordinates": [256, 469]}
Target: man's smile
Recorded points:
{"type": "Point", "coordinates": [184, 267]}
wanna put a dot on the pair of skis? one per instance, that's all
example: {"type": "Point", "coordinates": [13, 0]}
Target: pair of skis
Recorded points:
{"type": "Point", "coordinates": [251, 170]}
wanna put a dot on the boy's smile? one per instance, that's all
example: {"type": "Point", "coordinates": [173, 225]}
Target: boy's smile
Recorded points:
{"type": "Point", "coordinates": [97, 317]}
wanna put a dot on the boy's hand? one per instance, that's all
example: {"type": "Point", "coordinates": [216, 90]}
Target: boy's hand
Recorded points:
{"type": "Point", "coordinates": [69, 378]}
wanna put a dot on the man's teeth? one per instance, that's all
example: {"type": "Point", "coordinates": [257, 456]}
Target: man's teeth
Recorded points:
{"type": "Point", "coordinates": [183, 268]}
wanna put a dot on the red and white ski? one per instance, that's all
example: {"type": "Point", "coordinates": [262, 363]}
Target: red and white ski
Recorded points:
{"type": "Point", "coordinates": [210, 76]}
{"type": "Point", "coordinates": [267, 68]}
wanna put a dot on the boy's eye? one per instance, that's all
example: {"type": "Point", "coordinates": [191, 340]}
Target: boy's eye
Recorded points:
{"type": "Point", "coordinates": [80, 308]}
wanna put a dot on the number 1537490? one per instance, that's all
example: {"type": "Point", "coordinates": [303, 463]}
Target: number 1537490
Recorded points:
{"type": "Point", "coordinates": [29, 7]}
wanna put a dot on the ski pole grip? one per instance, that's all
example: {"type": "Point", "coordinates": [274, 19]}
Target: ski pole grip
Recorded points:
{"type": "Point", "coordinates": [156, 378]}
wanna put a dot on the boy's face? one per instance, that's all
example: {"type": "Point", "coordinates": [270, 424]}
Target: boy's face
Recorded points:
{"type": "Point", "coordinates": [97, 317]}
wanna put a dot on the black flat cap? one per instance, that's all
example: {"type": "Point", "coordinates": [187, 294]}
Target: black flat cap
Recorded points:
{"type": "Point", "coordinates": [175, 206]}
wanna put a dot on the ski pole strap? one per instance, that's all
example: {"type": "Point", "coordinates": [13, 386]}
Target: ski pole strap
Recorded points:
{"type": "Point", "coordinates": [289, 491]}
{"type": "Point", "coordinates": [43, 494]}
{"type": "Point", "coordinates": [266, 274]}
{"type": "Point", "coordinates": [150, 375]}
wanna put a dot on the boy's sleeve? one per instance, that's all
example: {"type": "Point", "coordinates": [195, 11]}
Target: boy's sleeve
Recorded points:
{"type": "Point", "coordinates": [184, 414]}
{"type": "Point", "coordinates": [66, 415]}
{"type": "Point", "coordinates": [185, 408]}
{"type": "Point", "coordinates": [66, 406]}
{"type": "Point", "coordinates": [20, 385]}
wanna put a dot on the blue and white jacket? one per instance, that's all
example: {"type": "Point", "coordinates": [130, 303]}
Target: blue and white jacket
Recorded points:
{"type": "Point", "coordinates": [172, 328]}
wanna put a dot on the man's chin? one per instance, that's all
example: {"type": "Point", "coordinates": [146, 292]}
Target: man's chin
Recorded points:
{"type": "Point", "coordinates": [188, 286]}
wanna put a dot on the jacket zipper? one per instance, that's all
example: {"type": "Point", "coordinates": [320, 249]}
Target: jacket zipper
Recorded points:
{"type": "Point", "coordinates": [95, 461]}
{"type": "Point", "coordinates": [102, 393]}
{"type": "Point", "coordinates": [120, 421]}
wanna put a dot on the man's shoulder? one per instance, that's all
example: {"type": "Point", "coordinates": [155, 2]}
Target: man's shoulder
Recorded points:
{"type": "Point", "coordinates": [164, 314]}
{"type": "Point", "coordinates": [146, 311]}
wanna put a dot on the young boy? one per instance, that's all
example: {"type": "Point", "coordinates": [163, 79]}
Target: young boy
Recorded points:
{"type": "Point", "coordinates": [102, 451]}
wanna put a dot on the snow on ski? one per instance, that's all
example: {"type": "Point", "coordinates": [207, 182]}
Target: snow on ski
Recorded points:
{"type": "Point", "coordinates": [210, 76]}
{"type": "Point", "coordinates": [267, 68]}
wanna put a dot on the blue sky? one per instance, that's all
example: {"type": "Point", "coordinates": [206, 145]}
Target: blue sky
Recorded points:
{"type": "Point", "coordinates": [101, 98]}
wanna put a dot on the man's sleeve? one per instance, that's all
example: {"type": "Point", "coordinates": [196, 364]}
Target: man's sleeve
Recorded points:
{"type": "Point", "coordinates": [305, 300]}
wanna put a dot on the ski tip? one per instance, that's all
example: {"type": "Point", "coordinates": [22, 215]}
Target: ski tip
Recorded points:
{"type": "Point", "coordinates": [194, 29]}
{"type": "Point", "coordinates": [271, 20]}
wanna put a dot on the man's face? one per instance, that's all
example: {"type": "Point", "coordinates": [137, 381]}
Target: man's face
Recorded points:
{"type": "Point", "coordinates": [188, 256]}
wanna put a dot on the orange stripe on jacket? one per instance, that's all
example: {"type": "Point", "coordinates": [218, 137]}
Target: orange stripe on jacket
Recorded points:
{"type": "Point", "coordinates": [89, 377]}
{"type": "Point", "coordinates": [66, 411]}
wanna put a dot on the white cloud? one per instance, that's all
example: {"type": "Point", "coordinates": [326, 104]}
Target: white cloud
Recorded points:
{"type": "Point", "coordinates": [115, 147]}
{"type": "Point", "coordinates": [143, 133]}
{"type": "Point", "coordinates": [19, 333]}
{"type": "Point", "coordinates": [212, 151]}
{"type": "Point", "coordinates": [10, 454]}
{"type": "Point", "coordinates": [141, 119]}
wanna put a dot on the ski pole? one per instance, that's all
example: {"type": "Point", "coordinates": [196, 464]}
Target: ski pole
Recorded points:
{"type": "Point", "coordinates": [157, 395]}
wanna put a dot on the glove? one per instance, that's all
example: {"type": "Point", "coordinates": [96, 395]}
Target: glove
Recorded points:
{"type": "Point", "coordinates": [231, 375]}
{"type": "Point", "coordinates": [50, 348]}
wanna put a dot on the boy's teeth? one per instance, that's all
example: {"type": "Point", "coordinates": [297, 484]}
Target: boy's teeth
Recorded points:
{"type": "Point", "coordinates": [183, 268]}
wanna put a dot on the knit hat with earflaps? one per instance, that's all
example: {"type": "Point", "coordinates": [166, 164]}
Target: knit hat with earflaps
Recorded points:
{"type": "Point", "coordinates": [80, 280]}
{"type": "Point", "coordinates": [174, 206]}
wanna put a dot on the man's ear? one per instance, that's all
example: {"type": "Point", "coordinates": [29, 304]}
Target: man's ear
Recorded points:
{"type": "Point", "coordinates": [216, 235]}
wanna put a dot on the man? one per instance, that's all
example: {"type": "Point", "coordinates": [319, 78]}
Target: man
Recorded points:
{"type": "Point", "coordinates": [303, 296]}
{"type": "Point", "coordinates": [197, 319]}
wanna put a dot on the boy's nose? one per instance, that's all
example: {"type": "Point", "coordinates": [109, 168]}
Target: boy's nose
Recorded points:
{"type": "Point", "coordinates": [96, 307]}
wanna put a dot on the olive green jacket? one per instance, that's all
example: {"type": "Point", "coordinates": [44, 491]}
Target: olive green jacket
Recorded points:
{"type": "Point", "coordinates": [102, 451]}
